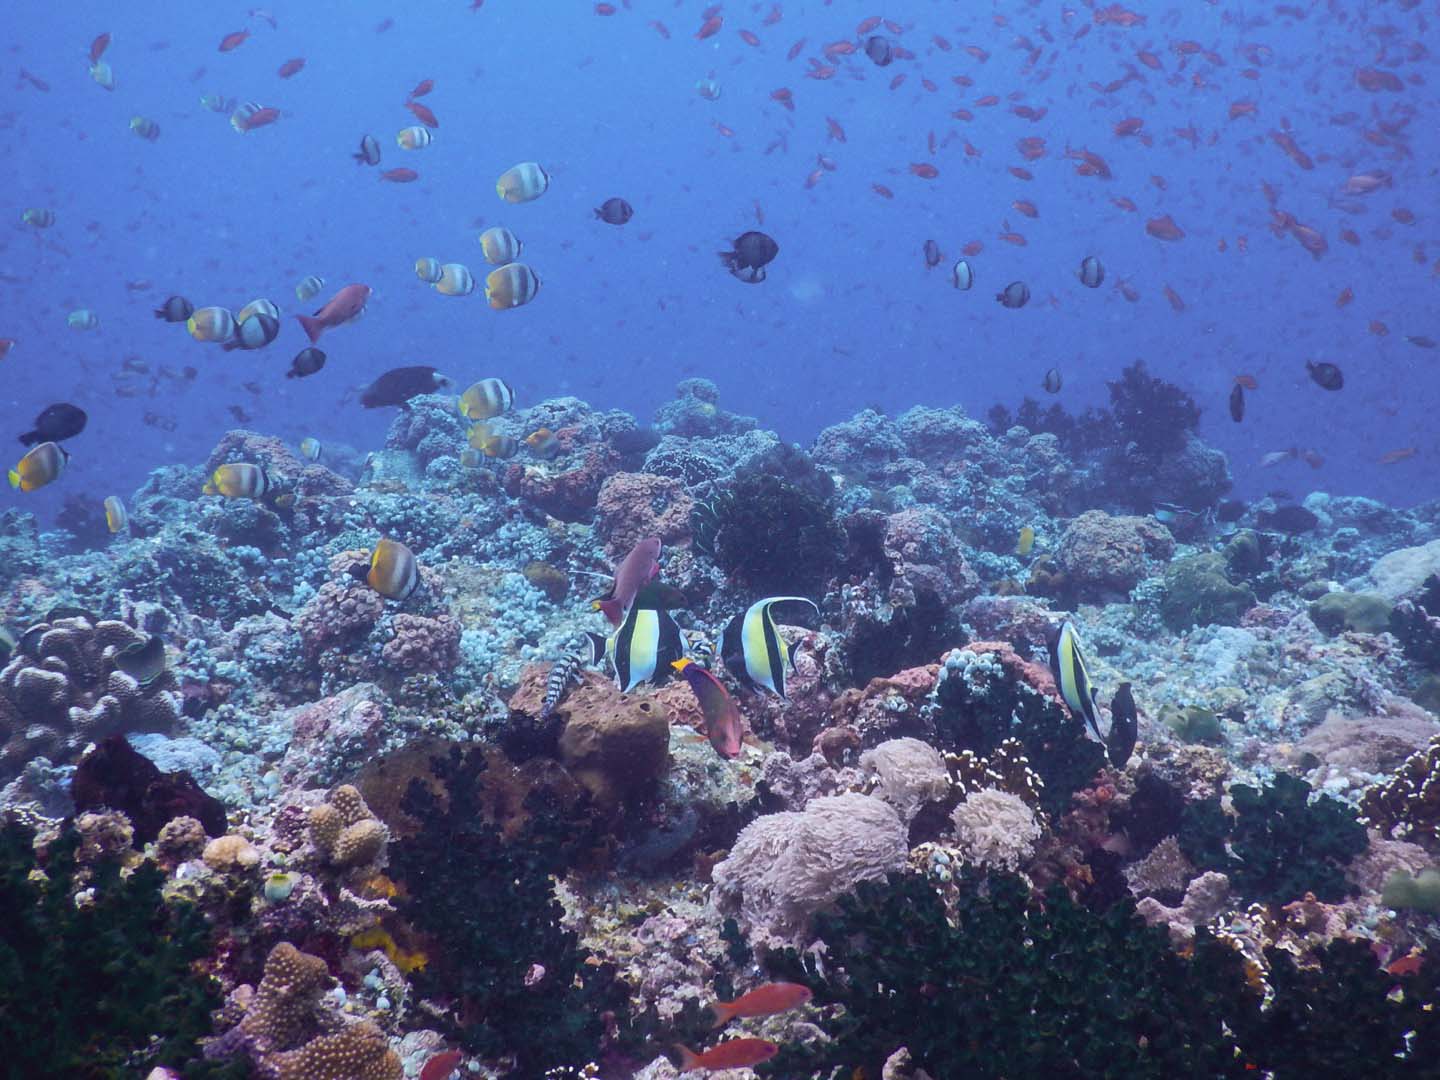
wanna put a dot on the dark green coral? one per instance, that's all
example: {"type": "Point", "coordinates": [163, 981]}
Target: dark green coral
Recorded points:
{"type": "Point", "coordinates": [103, 990]}
{"type": "Point", "coordinates": [489, 908]}
{"type": "Point", "coordinates": [1027, 986]}
{"type": "Point", "coordinates": [1279, 845]}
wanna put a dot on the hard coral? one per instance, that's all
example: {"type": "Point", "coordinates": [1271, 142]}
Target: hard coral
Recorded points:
{"type": "Point", "coordinates": [345, 832]}
{"type": "Point", "coordinates": [62, 690]}
{"type": "Point", "coordinates": [424, 644]}
{"type": "Point", "coordinates": [1104, 557]}
{"type": "Point", "coordinates": [995, 829]}
{"type": "Point", "coordinates": [360, 1052]}
{"type": "Point", "coordinates": [774, 538]}
{"type": "Point", "coordinates": [1407, 806]}
{"type": "Point", "coordinates": [614, 744]}
{"type": "Point", "coordinates": [632, 506]}
{"type": "Point", "coordinates": [282, 1012]}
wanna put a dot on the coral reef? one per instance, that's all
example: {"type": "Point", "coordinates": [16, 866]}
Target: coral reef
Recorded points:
{"type": "Point", "coordinates": [62, 689]}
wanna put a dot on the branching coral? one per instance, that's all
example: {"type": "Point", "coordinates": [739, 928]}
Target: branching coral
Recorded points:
{"type": "Point", "coordinates": [1407, 806]}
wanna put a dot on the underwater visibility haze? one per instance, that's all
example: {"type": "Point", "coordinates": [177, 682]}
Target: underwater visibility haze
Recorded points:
{"type": "Point", "coordinates": [618, 540]}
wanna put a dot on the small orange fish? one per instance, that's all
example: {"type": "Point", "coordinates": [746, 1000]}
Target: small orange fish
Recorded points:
{"type": "Point", "coordinates": [731, 1054]}
{"type": "Point", "coordinates": [291, 67]}
{"type": "Point", "coordinates": [784, 97]}
{"type": "Point", "coordinates": [1026, 207]}
{"type": "Point", "coordinates": [1395, 456]}
{"type": "Point", "coordinates": [1406, 965]}
{"type": "Point", "coordinates": [234, 40]}
{"type": "Point", "coordinates": [400, 176]}
{"type": "Point", "coordinates": [710, 27]}
{"type": "Point", "coordinates": [1247, 381]}
{"type": "Point", "coordinates": [98, 47]}
{"type": "Point", "coordinates": [883, 191]}
{"type": "Point", "coordinates": [750, 38]}
{"type": "Point", "coordinates": [423, 114]}
{"type": "Point", "coordinates": [833, 127]}
{"type": "Point", "coordinates": [1346, 295]}
{"type": "Point", "coordinates": [924, 170]}
{"type": "Point", "coordinates": [422, 88]}
{"type": "Point", "coordinates": [260, 118]}
{"type": "Point", "coordinates": [766, 1000]}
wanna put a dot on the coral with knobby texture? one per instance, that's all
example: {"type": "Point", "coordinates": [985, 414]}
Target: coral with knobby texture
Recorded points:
{"type": "Point", "coordinates": [342, 609]}
{"type": "Point", "coordinates": [104, 988]}
{"type": "Point", "coordinates": [240, 444]}
{"type": "Point", "coordinates": [696, 411]}
{"type": "Point", "coordinates": [61, 690]}
{"type": "Point", "coordinates": [887, 707]}
{"type": "Point", "coordinates": [995, 829]}
{"type": "Point", "coordinates": [181, 839]}
{"type": "Point", "coordinates": [282, 1011]}
{"type": "Point", "coordinates": [632, 506]}
{"type": "Point", "coordinates": [360, 1052]}
{"type": "Point", "coordinates": [1165, 869]}
{"type": "Point", "coordinates": [423, 644]}
{"type": "Point", "coordinates": [332, 737]}
{"type": "Point", "coordinates": [231, 854]}
{"type": "Point", "coordinates": [1418, 628]}
{"type": "Point", "coordinates": [1199, 592]}
{"type": "Point", "coordinates": [1104, 557]}
{"type": "Point", "coordinates": [345, 832]}
{"type": "Point", "coordinates": [1280, 844]}
{"type": "Point", "coordinates": [570, 493]}
{"type": "Point", "coordinates": [116, 775]}
{"type": "Point", "coordinates": [785, 867]}
{"type": "Point", "coordinates": [908, 774]}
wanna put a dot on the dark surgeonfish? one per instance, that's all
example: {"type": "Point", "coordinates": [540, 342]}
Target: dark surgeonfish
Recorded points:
{"type": "Point", "coordinates": [1124, 726]}
{"type": "Point", "coordinates": [398, 385]}
{"type": "Point", "coordinates": [749, 255]}
{"type": "Point", "coordinates": [752, 648]}
{"type": "Point", "coordinates": [644, 647]}
{"type": "Point", "coordinates": [59, 421]}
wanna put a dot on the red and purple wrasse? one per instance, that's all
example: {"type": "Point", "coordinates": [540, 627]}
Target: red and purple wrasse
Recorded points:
{"type": "Point", "coordinates": [723, 723]}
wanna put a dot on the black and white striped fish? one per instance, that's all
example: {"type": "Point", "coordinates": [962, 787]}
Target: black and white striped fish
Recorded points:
{"type": "Point", "coordinates": [565, 674]}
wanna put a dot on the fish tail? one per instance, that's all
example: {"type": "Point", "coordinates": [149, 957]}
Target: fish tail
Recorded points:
{"type": "Point", "coordinates": [30, 438]}
{"type": "Point", "coordinates": [311, 326]}
{"type": "Point", "coordinates": [723, 1014]}
{"type": "Point", "coordinates": [230, 346]}
{"type": "Point", "coordinates": [688, 1058]}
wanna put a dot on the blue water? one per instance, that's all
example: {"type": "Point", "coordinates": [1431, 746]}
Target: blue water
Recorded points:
{"type": "Point", "coordinates": [849, 316]}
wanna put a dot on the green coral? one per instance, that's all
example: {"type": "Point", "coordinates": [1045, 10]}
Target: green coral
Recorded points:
{"type": "Point", "coordinates": [490, 908]}
{"type": "Point", "coordinates": [1198, 592]}
{"type": "Point", "coordinates": [1014, 987]}
{"type": "Point", "coordinates": [1421, 892]}
{"type": "Point", "coordinates": [1279, 845]}
{"type": "Point", "coordinates": [1365, 613]}
{"type": "Point", "coordinates": [100, 990]}
{"type": "Point", "coordinates": [1018, 986]}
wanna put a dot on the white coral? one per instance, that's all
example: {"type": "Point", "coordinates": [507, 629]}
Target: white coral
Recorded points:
{"type": "Point", "coordinates": [785, 867]}
{"type": "Point", "coordinates": [909, 773]}
{"type": "Point", "coordinates": [995, 829]}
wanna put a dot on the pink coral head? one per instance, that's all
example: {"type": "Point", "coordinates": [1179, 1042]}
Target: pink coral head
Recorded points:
{"type": "Point", "coordinates": [635, 570]}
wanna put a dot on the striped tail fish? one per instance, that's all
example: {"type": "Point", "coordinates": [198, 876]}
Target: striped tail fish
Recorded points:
{"type": "Point", "coordinates": [565, 674]}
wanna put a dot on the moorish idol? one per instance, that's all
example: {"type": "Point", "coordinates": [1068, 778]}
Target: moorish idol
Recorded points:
{"type": "Point", "coordinates": [753, 650]}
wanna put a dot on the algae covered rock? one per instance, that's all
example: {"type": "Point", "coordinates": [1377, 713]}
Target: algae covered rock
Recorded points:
{"type": "Point", "coordinates": [1365, 613]}
{"type": "Point", "coordinates": [1104, 555]}
{"type": "Point", "coordinates": [1198, 592]}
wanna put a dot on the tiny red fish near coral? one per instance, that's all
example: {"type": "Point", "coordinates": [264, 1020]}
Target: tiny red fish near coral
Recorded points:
{"type": "Point", "coordinates": [291, 67]}
{"type": "Point", "coordinates": [441, 1065]}
{"type": "Point", "coordinates": [234, 40]}
{"type": "Point", "coordinates": [1393, 457]}
{"type": "Point", "coordinates": [423, 114]}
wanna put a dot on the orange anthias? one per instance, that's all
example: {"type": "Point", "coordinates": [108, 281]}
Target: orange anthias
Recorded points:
{"type": "Point", "coordinates": [766, 1000]}
{"type": "Point", "coordinates": [731, 1054]}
